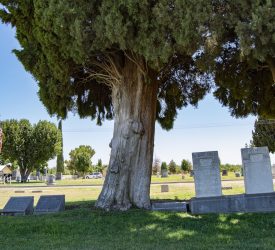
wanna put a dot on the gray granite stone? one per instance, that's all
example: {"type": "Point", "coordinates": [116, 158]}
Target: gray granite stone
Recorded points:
{"type": "Point", "coordinates": [257, 170]}
{"type": "Point", "coordinates": [245, 203]}
{"type": "Point", "coordinates": [170, 206]}
{"type": "Point", "coordinates": [264, 202]}
{"type": "Point", "coordinates": [206, 167]}
{"type": "Point", "coordinates": [50, 204]}
{"type": "Point", "coordinates": [19, 206]}
{"type": "Point", "coordinates": [51, 179]}
{"type": "Point", "coordinates": [219, 204]}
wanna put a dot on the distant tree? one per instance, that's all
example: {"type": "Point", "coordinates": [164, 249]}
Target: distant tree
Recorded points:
{"type": "Point", "coordinates": [99, 166]}
{"type": "Point", "coordinates": [164, 166]}
{"type": "Point", "coordinates": [60, 158]}
{"type": "Point", "coordinates": [172, 167]}
{"type": "Point", "coordinates": [81, 159]}
{"type": "Point", "coordinates": [29, 145]}
{"type": "Point", "coordinates": [156, 166]}
{"type": "Point", "coordinates": [264, 134]}
{"type": "Point", "coordinates": [231, 167]}
{"type": "Point", "coordinates": [186, 165]}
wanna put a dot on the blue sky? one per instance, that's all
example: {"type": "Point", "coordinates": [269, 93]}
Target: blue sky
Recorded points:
{"type": "Point", "coordinates": [206, 128]}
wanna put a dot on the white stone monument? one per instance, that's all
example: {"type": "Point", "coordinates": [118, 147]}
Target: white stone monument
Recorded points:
{"type": "Point", "coordinates": [257, 170]}
{"type": "Point", "coordinates": [206, 166]}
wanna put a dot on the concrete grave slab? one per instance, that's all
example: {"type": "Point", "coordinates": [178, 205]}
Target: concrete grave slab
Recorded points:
{"type": "Point", "coordinates": [178, 206]}
{"type": "Point", "coordinates": [244, 203]}
{"type": "Point", "coordinates": [19, 206]}
{"type": "Point", "coordinates": [50, 204]}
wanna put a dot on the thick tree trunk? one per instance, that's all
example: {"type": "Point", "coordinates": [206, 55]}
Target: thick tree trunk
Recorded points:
{"type": "Point", "coordinates": [271, 64]}
{"type": "Point", "coordinates": [128, 178]}
{"type": "Point", "coordinates": [24, 174]}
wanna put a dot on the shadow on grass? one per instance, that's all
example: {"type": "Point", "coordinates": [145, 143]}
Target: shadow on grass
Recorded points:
{"type": "Point", "coordinates": [83, 227]}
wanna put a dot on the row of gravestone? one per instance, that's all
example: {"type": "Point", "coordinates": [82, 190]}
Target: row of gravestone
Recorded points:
{"type": "Point", "coordinates": [259, 193]}
{"type": "Point", "coordinates": [24, 205]}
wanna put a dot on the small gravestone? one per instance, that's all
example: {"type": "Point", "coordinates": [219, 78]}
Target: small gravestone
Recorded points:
{"type": "Point", "coordinates": [237, 174]}
{"type": "Point", "coordinates": [164, 188]}
{"type": "Point", "coordinates": [58, 176]}
{"type": "Point", "coordinates": [178, 206]}
{"type": "Point", "coordinates": [51, 180]}
{"type": "Point", "coordinates": [191, 173]}
{"type": "Point", "coordinates": [224, 172]}
{"type": "Point", "coordinates": [19, 206]}
{"type": "Point", "coordinates": [164, 173]}
{"type": "Point", "coordinates": [257, 170]}
{"type": "Point", "coordinates": [19, 191]}
{"type": "Point", "coordinates": [206, 167]}
{"type": "Point", "coordinates": [50, 204]}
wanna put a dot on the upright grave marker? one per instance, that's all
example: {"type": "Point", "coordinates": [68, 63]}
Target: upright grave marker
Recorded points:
{"type": "Point", "coordinates": [257, 170]}
{"type": "Point", "coordinates": [273, 170]}
{"type": "Point", "coordinates": [50, 204]}
{"type": "Point", "coordinates": [206, 166]}
{"type": "Point", "coordinates": [19, 206]}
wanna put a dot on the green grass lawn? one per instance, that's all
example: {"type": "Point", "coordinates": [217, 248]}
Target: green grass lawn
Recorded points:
{"type": "Point", "coordinates": [180, 191]}
{"type": "Point", "coordinates": [81, 227]}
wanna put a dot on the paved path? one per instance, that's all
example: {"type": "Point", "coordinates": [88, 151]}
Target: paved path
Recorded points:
{"type": "Point", "coordinates": [7, 186]}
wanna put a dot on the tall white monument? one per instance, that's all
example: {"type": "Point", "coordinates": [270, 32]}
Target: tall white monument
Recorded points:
{"type": "Point", "coordinates": [257, 170]}
{"type": "Point", "coordinates": [206, 166]}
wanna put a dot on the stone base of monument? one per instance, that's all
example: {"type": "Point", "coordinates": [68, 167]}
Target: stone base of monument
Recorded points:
{"type": "Point", "coordinates": [178, 206]}
{"type": "Point", "coordinates": [244, 203]}
{"type": "Point", "coordinates": [19, 206]}
{"type": "Point", "coordinates": [50, 204]}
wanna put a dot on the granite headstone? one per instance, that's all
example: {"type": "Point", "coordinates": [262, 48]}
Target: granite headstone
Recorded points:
{"type": "Point", "coordinates": [257, 170]}
{"type": "Point", "coordinates": [19, 206]}
{"type": "Point", "coordinates": [206, 167]}
{"type": "Point", "coordinates": [50, 204]}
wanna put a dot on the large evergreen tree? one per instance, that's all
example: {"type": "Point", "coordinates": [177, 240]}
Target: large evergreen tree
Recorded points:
{"type": "Point", "coordinates": [140, 61]}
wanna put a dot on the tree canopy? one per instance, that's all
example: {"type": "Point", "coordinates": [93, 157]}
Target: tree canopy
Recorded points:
{"type": "Point", "coordinates": [31, 146]}
{"type": "Point", "coordinates": [264, 134]}
{"type": "Point", "coordinates": [72, 47]}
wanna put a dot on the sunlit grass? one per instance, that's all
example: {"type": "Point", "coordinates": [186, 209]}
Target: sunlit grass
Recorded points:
{"type": "Point", "coordinates": [80, 227]}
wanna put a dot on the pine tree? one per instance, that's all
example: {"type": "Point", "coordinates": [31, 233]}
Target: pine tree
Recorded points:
{"type": "Point", "coordinates": [60, 158]}
{"type": "Point", "coordinates": [139, 62]}
{"type": "Point", "coordinates": [264, 134]}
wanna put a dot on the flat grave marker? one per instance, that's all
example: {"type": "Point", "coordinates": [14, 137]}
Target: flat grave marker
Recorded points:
{"type": "Point", "coordinates": [50, 204]}
{"type": "Point", "coordinates": [257, 170]}
{"type": "Point", "coordinates": [19, 206]}
{"type": "Point", "coordinates": [164, 188]}
{"type": "Point", "coordinates": [206, 167]}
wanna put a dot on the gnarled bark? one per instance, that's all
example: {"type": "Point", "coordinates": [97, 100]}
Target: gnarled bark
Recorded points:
{"type": "Point", "coordinates": [128, 178]}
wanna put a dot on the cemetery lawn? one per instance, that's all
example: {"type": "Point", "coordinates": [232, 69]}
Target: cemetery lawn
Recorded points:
{"type": "Point", "coordinates": [82, 227]}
